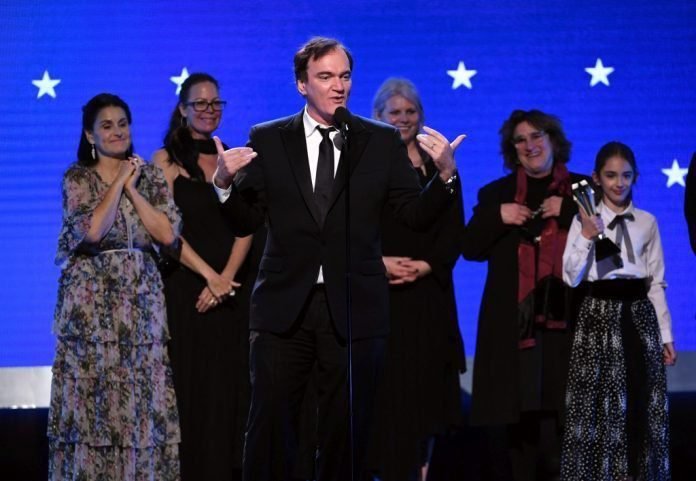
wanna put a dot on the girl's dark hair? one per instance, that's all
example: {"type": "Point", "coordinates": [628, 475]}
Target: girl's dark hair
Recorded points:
{"type": "Point", "coordinates": [615, 149]}
{"type": "Point", "coordinates": [90, 111]}
{"type": "Point", "coordinates": [178, 142]}
{"type": "Point", "coordinates": [540, 120]}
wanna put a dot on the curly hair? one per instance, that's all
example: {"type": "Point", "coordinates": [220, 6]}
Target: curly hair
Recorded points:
{"type": "Point", "coordinates": [540, 120]}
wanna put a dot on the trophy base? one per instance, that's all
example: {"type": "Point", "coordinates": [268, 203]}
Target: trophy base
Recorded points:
{"type": "Point", "coordinates": [605, 248]}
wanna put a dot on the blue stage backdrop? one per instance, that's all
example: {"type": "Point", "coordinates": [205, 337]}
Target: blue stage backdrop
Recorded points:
{"type": "Point", "coordinates": [619, 70]}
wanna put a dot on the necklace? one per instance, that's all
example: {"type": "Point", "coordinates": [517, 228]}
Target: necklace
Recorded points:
{"type": "Point", "coordinates": [107, 179]}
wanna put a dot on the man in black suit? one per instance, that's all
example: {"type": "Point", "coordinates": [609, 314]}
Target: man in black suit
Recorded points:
{"type": "Point", "coordinates": [298, 307]}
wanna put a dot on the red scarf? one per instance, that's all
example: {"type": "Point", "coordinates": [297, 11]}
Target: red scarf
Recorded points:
{"type": "Point", "coordinates": [540, 266]}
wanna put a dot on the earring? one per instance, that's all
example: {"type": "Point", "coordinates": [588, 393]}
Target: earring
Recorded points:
{"type": "Point", "coordinates": [94, 153]}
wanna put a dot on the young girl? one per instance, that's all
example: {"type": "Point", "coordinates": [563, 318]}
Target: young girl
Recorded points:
{"type": "Point", "coordinates": [616, 400]}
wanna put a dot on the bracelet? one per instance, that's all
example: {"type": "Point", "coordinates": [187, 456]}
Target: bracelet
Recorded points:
{"type": "Point", "coordinates": [451, 183]}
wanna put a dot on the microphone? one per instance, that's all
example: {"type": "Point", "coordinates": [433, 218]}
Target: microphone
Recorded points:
{"type": "Point", "coordinates": [343, 120]}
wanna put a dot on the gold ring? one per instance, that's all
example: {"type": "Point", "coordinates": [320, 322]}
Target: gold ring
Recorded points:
{"type": "Point", "coordinates": [211, 302]}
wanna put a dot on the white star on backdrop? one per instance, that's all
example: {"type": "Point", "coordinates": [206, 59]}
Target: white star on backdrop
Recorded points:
{"type": "Point", "coordinates": [46, 85]}
{"type": "Point", "coordinates": [675, 174]}
{"type": "Point", "coordinates": [600, 73]}
{"type": "Point", "coordinates": [180, 79]}
{"type": "Point", "coordinates": [461, 76]}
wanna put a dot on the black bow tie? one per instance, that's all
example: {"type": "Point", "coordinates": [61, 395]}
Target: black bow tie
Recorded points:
{"type": "Point", "coordinates": [622, 234]}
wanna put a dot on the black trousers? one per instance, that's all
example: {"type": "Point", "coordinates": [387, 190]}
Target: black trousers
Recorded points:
{"type": "Point", "coordinates": [280, 367]}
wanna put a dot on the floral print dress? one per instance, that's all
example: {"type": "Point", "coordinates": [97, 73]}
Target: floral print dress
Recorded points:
{"type": "Point", "coordinates": [113, 410]}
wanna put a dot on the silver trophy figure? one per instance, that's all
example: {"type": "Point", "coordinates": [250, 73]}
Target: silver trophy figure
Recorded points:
{"type": "Point", "coordinates": [584, 196]}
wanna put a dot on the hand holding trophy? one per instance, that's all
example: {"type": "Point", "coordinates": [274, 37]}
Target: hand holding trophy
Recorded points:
{"type": "Point", "coordinates": [584, 196]}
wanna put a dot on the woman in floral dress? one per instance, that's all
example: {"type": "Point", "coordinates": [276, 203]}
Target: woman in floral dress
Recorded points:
{"type": "Point", "coordinates": [113, 410]}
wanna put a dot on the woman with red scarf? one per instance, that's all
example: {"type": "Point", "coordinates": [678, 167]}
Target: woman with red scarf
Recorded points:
{"type": "Point", "coordinates": [520, 227]}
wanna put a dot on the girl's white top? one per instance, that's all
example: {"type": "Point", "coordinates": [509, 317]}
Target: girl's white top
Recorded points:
{"type": "Point", "coordinates": [579, 262]}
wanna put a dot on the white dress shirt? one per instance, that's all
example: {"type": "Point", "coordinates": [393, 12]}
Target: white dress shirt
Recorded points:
{"type": "Point", "coordinates": [579, 263]}
{"type": "Point", "coordinates": [313, 139]}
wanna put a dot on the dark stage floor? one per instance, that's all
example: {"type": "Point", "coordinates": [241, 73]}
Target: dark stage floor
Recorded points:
{"type": "Point", "coordinates": [457, 457]}
{"type": "Point", "coordinates": [462, 456]}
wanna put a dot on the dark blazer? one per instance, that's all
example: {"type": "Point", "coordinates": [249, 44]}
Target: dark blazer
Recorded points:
{"type": "Point", "coordinates": [277, 187]}
{"type": "Point", "coordinates": [690, 202]}
{"type": "Point", "coordinates": [496, 393]}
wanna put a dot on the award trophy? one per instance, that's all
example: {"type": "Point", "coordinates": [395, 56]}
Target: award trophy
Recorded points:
{"type": "Point", "coordinates": [584, 196]}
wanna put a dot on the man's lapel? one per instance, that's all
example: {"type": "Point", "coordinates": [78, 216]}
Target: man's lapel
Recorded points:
{"type": "Point", "coordinates": [295, 144]}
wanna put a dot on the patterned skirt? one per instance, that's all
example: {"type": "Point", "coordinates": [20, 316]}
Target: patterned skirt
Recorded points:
{"type": "Point", "coordinates": [113, 414]}
{"type": "Point", "coordinates": [616, 399]}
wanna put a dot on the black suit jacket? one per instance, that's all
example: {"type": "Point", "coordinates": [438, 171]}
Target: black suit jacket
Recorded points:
{"type": "Point", "coordinates": [690, 202]}
{"type": "Point", "coordinates": [276, 187]}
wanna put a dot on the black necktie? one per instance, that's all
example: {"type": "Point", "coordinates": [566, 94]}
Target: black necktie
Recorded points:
{"type": "Point", "coordinates": [325, 173]}
{"type": "Point", "coordinates": [622, 234]}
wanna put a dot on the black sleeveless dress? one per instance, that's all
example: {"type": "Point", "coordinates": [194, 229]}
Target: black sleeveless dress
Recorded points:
{"type": "Point", "coordinates": [419, 394]}
{"type": "Point", "coordinates": [209, 351]}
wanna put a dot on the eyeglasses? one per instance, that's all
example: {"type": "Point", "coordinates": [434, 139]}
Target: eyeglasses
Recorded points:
{"type": "Point", "coordinates": [202, 105]}
{"type": "Point", "coordinates": [534, 138]}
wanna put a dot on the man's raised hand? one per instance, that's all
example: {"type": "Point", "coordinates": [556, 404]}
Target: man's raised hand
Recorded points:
{"type": "Point", "coordinates": [229, 162]}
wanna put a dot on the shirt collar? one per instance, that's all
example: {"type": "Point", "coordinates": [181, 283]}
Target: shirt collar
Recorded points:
{"type": "Point", "coordinates": [608, 214]}
{"type": "Point", "coordinates": [310, 125]}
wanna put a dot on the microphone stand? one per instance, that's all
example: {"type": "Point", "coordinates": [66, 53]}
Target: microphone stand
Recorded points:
{"type": "Point", "coordinates": [344, 129]}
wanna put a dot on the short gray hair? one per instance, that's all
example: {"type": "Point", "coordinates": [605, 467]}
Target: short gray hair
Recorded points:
{"type": "Point", "coordinates": [397, 86]}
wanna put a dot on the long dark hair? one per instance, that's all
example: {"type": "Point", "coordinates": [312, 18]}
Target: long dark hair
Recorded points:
{"type": "Point", "coordinates": [615, 149]}
{"type": "Point", "coordinates": [178, 141]}
{"type": "Point", "coordinates": [540, 120]}
{"type": "Point", "coordinates": [90, 111]}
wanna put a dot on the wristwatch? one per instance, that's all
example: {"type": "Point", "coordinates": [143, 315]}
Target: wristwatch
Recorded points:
{"type": "Point", "coordinates": [451, 183]}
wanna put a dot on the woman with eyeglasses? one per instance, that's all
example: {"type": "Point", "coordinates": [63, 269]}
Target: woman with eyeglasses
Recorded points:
{"type": "Point", "coordinates": [520, 227]}
{"type": "Point", "coordinates": [113, 413]}
{"type": "Point", "coordinates": [208, 317]}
